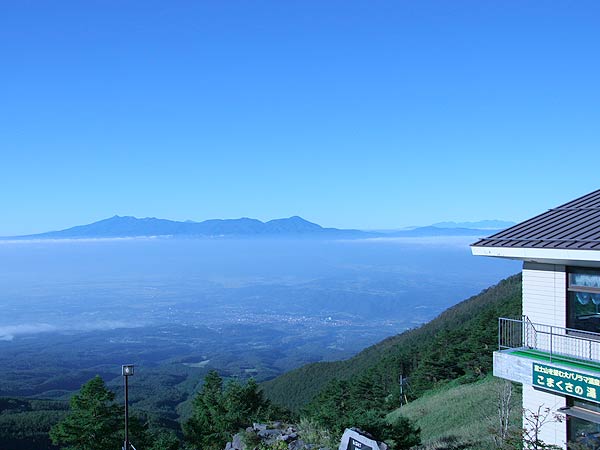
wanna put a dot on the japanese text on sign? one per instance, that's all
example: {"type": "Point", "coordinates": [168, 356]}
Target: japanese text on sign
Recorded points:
{"type": "Point", "coordinates": [567, 382]}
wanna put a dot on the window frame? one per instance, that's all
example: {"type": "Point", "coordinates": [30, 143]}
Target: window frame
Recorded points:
{"type": "Point", "coordinates": [571, 328]}
{"type": "Point", "coordinates": [576, 409]}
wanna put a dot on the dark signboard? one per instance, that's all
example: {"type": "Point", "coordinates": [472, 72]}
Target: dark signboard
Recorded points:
{"type": "Point", "coordinates": [353, 444]}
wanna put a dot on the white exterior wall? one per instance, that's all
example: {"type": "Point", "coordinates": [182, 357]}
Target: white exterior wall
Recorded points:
{"type": "Point", "coordinates": [551, 432]}
{"type": "Point", "coordinates": [544, 293]}
{"type": "Point", "coordinates": [545, 302]}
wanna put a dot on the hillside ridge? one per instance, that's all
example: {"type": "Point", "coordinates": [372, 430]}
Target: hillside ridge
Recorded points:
{"type": "Point", "coordinates": [295, 389]}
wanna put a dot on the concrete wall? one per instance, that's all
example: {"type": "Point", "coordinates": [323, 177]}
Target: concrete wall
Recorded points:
{"type": "Point", "coordinates": [512, 367]}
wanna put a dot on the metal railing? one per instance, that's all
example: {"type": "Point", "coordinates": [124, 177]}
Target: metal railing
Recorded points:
{"type": "Point", "coordinates": [555, 341]}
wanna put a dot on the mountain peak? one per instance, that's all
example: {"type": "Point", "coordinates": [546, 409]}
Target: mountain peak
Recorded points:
{"type": "Point", "coordinates": [129, 226]}
{"type": "Point", "coordinates": [295, 224]}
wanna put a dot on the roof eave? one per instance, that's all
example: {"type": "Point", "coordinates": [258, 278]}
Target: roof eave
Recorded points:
{"type": "Point", "coordinates": [541, 255]}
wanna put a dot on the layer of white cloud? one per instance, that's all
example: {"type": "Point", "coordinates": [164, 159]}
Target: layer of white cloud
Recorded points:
{"type": "Point", "coordinates": [9, 332]}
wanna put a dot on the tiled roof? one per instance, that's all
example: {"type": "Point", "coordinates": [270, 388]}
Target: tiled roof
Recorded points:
{"type": "Point", "coordinates": [574, 225]}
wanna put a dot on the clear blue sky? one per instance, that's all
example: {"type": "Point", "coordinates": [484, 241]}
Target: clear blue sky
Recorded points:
{"type": "Point", "coordinates": [368, 114]}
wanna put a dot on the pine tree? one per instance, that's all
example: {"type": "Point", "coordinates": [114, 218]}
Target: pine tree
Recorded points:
{"type": "Point", "coordinates": [205, 427]}
{"type": "Point", "coordinates": [220, 411]}
{"type": "Point", "coordinates": [164, 441]}
{"type": "Point", "coordinates": [94, 420]}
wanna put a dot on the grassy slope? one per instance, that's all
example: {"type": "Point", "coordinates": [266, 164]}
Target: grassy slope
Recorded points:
{"type": "Point", "coordinates": [456, 414]}
{"type": "Point", "coordinates": [296, 388]}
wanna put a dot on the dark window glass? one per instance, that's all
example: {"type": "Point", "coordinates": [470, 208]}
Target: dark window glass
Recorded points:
{"type": "Point", "coordinates": [583, 434]}
{"type": "Point", "coordinates": [584, 278]}
{"type": "Point", "coordinates": [583, 300]}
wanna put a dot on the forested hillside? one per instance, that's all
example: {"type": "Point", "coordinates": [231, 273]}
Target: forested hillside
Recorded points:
{"type": "Point", "coordinates": [457, 344]}
{"type": "Point", "coordinates": [24, 423]}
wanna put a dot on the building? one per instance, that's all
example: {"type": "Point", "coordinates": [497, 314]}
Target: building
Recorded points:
{"type": "Point", "coordinates": [554, 348]}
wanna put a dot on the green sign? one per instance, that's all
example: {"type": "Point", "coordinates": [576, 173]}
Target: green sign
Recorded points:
{"type": "Point", "coordinates": [567, 382]}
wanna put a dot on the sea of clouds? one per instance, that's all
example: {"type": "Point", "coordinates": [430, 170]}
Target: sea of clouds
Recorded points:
{"type": "Point", "coordinates": [9, 332]}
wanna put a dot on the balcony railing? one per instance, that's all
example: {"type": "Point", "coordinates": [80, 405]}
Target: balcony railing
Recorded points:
{"type": "Point", "coordinates": [551, 340]}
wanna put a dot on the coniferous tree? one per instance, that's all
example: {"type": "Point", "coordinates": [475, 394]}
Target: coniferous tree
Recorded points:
{"type": "Point", "coordinates": [93, 422]}
{"type": "Point", "coordinates": [206, 425]}
{"type": "Point", "coordinates": [332, 406]}
{"type": "Point", "coordinates": [219, 411]}
{"type": "Point", "coordinates": [164, 441]}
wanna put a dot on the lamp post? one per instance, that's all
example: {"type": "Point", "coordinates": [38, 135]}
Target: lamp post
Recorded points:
{"type": "Point", "coordinates": [127, 371]}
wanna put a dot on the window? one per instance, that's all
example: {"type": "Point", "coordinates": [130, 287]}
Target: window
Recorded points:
{"type": "Point", "coordinates": [583, 424]}
{"type": "Point", "coordinates": [583, 300]}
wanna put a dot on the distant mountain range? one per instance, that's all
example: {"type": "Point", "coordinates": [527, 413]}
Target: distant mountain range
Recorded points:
{"type": "Point", "coordinates": [127, 226]}
{"type": "Point", "coordinates": [480, 225]}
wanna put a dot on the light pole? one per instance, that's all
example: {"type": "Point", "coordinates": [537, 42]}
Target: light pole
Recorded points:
{"type": "Point", "coordinates": [127, 371]}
